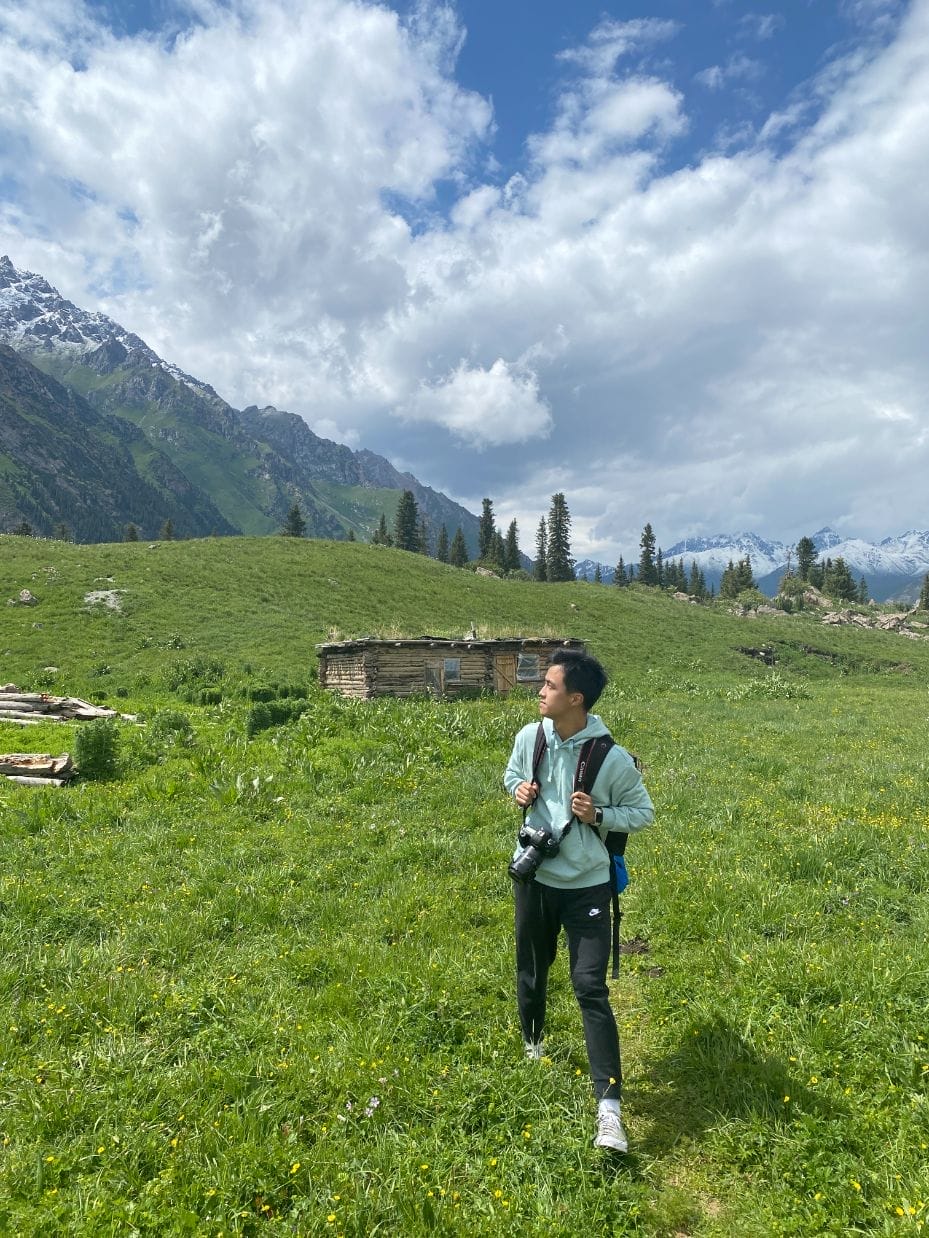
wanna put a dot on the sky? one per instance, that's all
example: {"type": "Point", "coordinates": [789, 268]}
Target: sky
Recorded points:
{"type": "Point", "coordinates": [668, 258]}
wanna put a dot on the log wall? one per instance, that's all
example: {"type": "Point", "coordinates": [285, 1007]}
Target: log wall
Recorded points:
{"type": "Point", "coordinates": [346, 674]}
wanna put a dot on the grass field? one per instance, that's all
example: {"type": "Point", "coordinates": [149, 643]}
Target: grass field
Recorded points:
{"type": "Point", "coordinates": [260, 982]}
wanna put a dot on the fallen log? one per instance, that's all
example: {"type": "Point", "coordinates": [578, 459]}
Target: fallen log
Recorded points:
{"type": "Point", "coordinates": [72, 707]}
{"type": "Point", "coordinates": [39, 764]}
{"type": "Point", "coordinates": [37, 782]}
{"type": "Point", "coordinates": [23, 707]}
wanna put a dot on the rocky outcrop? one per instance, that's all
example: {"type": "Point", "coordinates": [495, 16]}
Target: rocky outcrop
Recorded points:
{"type": "Point", "coordinates": [899, 623]}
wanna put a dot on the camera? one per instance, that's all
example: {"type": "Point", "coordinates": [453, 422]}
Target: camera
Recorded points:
{"type": "Point", "coordinates": [537, 845]}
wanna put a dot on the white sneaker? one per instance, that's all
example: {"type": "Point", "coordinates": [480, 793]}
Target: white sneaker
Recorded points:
{"type": "Point", "coordinates": [610, 1133]}
{"type": "Point", "coordinates": [533, 1049]}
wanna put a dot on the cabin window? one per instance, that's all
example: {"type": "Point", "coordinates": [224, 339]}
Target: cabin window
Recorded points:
{"type": "Point", "coordinates": [453, 670]}
{"type": "Point", "coordinates": [527, 668]}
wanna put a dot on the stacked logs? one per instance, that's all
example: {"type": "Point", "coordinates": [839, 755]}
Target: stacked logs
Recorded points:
{"type": "Point", "coordinates": [32, 708]}
{"type": "Point", "coordinates": [37, 769]}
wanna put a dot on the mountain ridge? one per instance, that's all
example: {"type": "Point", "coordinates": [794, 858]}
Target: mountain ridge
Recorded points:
{"type": "Point", "coordinates": [251, 465]}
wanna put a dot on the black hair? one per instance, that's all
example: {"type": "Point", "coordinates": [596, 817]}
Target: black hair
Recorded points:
{"type": "Point", "coordinates": [582, 673]}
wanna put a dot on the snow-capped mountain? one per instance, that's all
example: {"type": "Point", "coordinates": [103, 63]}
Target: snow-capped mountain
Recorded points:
{"type": "Point", "coordinates": [892, 568]}
{"type": "Point", "coordinates": [713, 554]}
{"type": "Point", "coordinates": [36, 318]}
{"type": "Point", "coordinates": [907, 554]}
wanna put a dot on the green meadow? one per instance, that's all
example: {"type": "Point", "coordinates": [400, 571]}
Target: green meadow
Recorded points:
{"type": "Point", "coordinates": [256, 972]}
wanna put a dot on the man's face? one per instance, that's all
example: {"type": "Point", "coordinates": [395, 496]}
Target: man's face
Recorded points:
{"type": "Point", "coordinates": [555, 701]}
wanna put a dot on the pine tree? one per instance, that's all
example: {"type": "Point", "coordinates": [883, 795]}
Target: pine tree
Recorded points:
{"type": "Point", "coordinates": [744, 577]}
{"type": "Point", "coordinates": [619, 576]}
{"type": "Point", "coordinates": [648, 573]}
{"type": "Point", "coordinates": [441, 546]}
{"type": "Point", "coordinates": [498, 551]}
{"type": "Point", "coordinates": [693, 584]}
{"type": "Point", "coordinates": [659, 568]}
{"type": "Point", "coordinates": [924, 594]}
{"type": "Point", "coordinates": [558, 562]}
{"type": "Point", "coordinates": [838, 582]}
{"type": "Point", "coordinates": [23, 529]}
{"type": "Point", "coordinates": [351, 536]}
{"type": "Point", "coordinates": [422, 536]}
{"type": "Point", "coordinates": [598, 575]}
{"type": "Point", "coordinates": [406, 523]}
{"type": "Point", "coordinates": [485, 531]}
{"type": "Point", "coordinates": [381, 537]}
{"type": "Point", "coordinates": [167, 530]}
{"type": "Point", "coordinates": [511, 560]}
{"type": "Point", "coordinates": [863, 591]}
{"type": "Point", "coordinates": [806, 557]}
{"type": "Point", "coordinates": [131, 533]}
{"type": "Point", "coordinates": [458, 553]}
{"type": "Point", "coordinates": [540, 571]}
{"type": "Point", "coordinates": [729, 585]}
{"type": "Point", "coordinates": [294, 525]}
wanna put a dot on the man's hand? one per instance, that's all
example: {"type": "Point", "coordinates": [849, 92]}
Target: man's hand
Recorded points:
{"type": "Point", "coordinates": [525, 794]}
{"type": "Point", "coordinates": [583, 807]}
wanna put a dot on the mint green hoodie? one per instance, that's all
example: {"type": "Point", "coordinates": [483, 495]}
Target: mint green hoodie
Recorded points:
{"type": "Point", "coordinates": [582, 860]}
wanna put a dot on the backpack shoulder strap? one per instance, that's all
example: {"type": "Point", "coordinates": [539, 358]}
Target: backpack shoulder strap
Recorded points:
{"type": "Point", "coordinates": [538, 752]}
{"type": "Point", "coordinates": [590, 761]}
{"type": "Point", "coordinates": [589, 764]}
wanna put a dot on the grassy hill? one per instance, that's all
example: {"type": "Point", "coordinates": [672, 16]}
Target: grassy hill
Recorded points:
{"type": "Point", "coordinates": [267, 601]}
{"type": "Point", "coordinates": [259, 981]}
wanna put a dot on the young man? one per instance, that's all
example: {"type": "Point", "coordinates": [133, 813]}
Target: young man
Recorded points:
{"type": "Point", "coordinates": [571, 889]}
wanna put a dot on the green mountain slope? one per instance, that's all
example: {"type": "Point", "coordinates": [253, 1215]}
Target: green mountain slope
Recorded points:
{"type": "Point", "coordinates": [247, 467]}
{"type": "Point", "coordinates": [201, 435]}
{"type": "Point", "coordinates": [62, 461]}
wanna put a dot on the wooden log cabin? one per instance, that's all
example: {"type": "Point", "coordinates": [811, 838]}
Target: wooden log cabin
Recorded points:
{"type": "Point", "coordinates": [436, 666]}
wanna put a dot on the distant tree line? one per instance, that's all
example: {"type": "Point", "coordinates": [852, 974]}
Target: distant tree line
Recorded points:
{"type": "Point", "coordinates": [654, 571]}
{"type": "Point", "coordinates": [553, 562]}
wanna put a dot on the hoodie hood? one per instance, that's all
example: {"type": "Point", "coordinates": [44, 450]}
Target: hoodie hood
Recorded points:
{"type": "Point", "coordinates": [593, 730]}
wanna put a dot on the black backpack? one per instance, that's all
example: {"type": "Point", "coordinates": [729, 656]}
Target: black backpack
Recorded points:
{"type": "Point", "coordinates": [589, 762]}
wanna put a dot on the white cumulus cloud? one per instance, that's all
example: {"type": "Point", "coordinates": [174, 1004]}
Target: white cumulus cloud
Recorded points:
{"type": "Point", "coordinates": [484, 407]}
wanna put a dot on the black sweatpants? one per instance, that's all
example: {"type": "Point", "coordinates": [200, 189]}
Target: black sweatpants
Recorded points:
{"type": "Point", "coordinates": [541, 911]}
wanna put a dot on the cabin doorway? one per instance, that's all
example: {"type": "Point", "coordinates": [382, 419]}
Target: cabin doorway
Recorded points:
{"type": "Point", "coordinates": [504, 672]}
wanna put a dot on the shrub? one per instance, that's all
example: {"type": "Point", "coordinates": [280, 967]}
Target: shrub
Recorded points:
{"type": "Point", "coordinates": [170, 725]}
{"type": "Point", "coordinates": [276, 691]}
{"type": "Point", "coordinates": [257, 719]}
{"type": "Point", "coordinates": [193, 672]}
{"type": "Point", "coordinates": [751, 599]}
{"type": "Point", "coordinates": [96, 748]}
{"type": "Point", "coordinates": [265, 714]}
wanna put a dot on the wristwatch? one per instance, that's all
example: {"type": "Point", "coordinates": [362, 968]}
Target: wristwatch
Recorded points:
{"type": "Point", "coordinates": [598, 816]}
